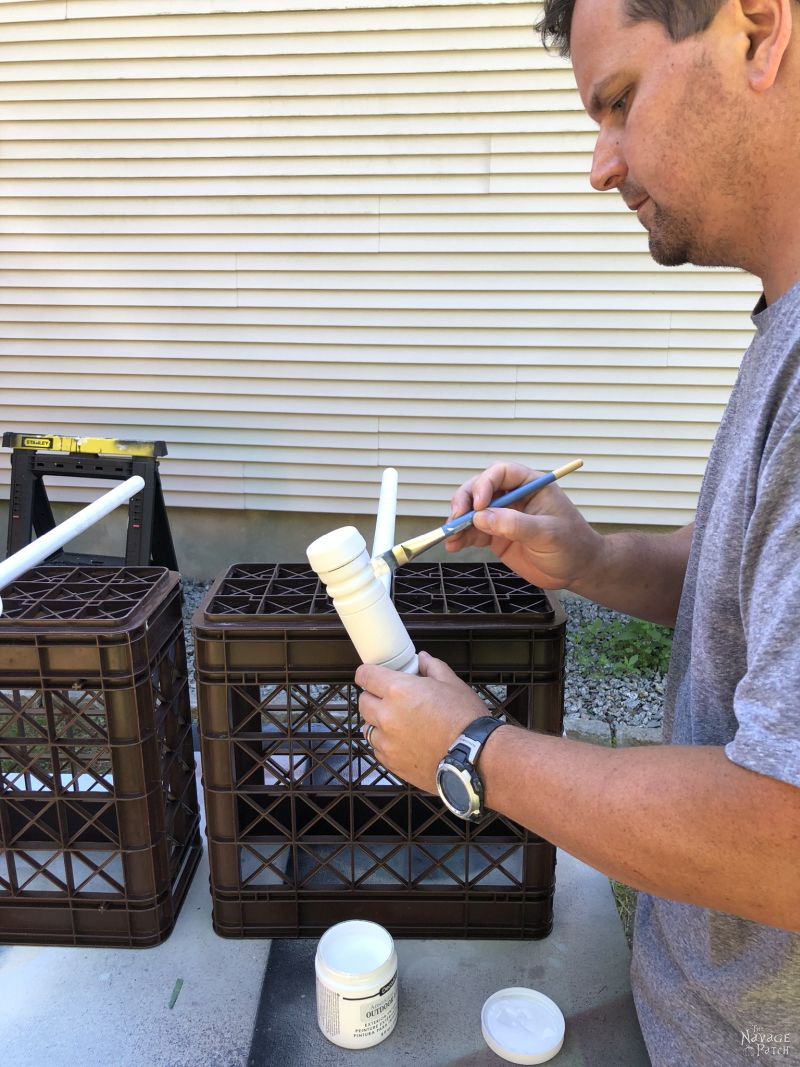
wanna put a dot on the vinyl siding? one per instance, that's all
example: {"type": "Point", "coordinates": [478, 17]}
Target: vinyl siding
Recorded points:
{"type": "Point", "coordinates": [305, 241]}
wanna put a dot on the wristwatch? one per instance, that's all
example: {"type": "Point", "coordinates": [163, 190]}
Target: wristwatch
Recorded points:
{"type": "Point", "coordinates": [456, 778]}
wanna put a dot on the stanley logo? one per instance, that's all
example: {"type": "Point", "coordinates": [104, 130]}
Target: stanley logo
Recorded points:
{"type": "Point", "coordinates": [37, 442]}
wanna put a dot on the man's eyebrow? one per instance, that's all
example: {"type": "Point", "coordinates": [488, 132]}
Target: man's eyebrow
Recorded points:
{"type": "Point", "coordinates": [598, 101]}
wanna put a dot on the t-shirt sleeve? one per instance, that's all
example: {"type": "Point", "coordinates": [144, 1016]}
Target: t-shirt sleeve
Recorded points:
{"type": "Point", "coordinates": [767, 698]}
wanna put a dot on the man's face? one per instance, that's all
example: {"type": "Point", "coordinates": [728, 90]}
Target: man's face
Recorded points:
{"type": "Point", "coordinates": [673, 130]}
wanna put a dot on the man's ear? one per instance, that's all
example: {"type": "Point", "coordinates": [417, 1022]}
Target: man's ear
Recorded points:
{"type": "Point", "coordinates": [769, 29]}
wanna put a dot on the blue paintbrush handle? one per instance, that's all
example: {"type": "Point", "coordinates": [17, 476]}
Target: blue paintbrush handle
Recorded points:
{"type": "Point", "coordinates": [463, 521]}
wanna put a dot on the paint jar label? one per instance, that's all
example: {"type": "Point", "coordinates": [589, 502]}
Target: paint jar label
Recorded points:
{"type": "Point", "coordinates": [376, 1015]}
{"type": "Point", "coordinates": [365, 1020]}
{"type": "Point", "coordinates": [328, 1010]}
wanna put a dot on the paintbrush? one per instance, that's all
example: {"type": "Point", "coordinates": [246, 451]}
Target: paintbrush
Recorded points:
{"type": "Point", "coordinates": [388, 562]}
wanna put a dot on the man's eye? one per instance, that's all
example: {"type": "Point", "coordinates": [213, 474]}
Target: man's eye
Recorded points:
{"type": "Point", "coordinates": [619, 105]}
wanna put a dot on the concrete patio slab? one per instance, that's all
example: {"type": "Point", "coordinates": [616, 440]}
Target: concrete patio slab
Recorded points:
{"type": "Point", "coordinates": [583, 965]}
{"type": "Point", "coordinates": [76, 1007]}
{"type": "Point", "coordinates": [96, 1007]}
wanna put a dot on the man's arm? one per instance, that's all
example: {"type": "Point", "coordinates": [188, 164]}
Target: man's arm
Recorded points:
{"type": "Point", "coordinates": [678, 822]}
{"type": "Point", "coordinates": [674, 821]}
{"type": "Point", "coordinates": [546, 540]}
{"type": "Point", "coordinates": [640, 574]}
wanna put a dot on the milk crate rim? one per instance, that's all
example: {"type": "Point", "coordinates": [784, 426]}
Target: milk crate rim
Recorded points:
{"type": "Point", "coordinates": [204, 622]}
{"type": "Point", "coordinates": [163, 584]}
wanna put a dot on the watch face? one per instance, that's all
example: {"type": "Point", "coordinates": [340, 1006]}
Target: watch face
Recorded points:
{"type": "Point", "coordinates": [454, 791]}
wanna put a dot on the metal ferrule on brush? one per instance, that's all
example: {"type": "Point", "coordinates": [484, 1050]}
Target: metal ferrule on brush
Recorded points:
{"type": "Point", "coordinates": [407, 550]}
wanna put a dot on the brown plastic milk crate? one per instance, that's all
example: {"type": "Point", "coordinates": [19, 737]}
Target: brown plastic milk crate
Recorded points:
{"type": "Point", "coordinates": [99, 820]}
{"type": "Point", "coordinates": [305, 828]}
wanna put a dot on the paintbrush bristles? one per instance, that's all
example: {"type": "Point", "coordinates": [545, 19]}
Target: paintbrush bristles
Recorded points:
{"type": "Point", "coordinates": [415, 546]}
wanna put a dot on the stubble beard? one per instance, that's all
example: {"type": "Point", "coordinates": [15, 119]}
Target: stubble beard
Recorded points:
{"type": "Point", "coordinates": [672, 238]}
{"type": "Point", "coordinates": [693, 236]}
{"type": "Point", "coordinates": [675, 241]}
{"type": "Point", "coordinates": [670, 243]}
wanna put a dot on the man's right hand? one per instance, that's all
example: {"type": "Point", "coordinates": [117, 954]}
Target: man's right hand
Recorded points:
{"type": "Point", "coordinates": [544, 539]}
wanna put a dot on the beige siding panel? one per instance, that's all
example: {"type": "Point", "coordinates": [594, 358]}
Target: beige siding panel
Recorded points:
{"type": "Point", "coordinates": [85, 292]}
{"type": "Point", "coordinates": [260, 428]}
{"type": "Point", "coordinates": [312, 84]}
{"type": "Point", "coordinates": [251, 373]}
{"type": "Point", "coordinates": [267, 33]}
{"type": "Point", "coordinates": [301, 240]}
{"type": "Point", "coordinates": [26, 11]}
{"type": "Point", "coordinates": [127, 8]}
{"type": "Point", "coordinates": [350, 114]}
{"type": "Point", "coordinates": [555, 429]}
{"type": "Point", "coordinates": [718, 325]}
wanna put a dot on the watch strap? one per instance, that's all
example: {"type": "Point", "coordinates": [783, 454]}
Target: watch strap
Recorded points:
{"type": "Point", "coordinates": [471, 740]}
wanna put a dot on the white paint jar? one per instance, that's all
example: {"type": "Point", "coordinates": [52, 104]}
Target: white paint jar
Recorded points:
{"type": "Point", "coordinates": [356, 966]}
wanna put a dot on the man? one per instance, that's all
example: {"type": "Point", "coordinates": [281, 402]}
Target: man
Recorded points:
{"type": "Point", "coordinates": [698, 110]}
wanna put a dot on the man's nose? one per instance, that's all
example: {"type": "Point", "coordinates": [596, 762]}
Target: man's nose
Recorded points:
{"type": "Point", "coordinates": [609, 170]}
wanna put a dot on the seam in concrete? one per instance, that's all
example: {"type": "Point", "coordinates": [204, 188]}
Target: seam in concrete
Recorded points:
{"type": "Point", "coordinates": [615, 735]}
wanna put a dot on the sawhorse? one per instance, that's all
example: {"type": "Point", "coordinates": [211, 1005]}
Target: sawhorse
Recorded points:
{"type": "Point", "coordinates": [36, 456]}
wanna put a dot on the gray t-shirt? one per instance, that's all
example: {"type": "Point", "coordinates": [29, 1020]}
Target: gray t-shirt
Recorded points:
{"type": "Point", "coordinates": [713, 990]}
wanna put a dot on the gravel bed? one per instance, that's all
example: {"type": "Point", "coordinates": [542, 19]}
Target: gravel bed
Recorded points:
{"type": "Point", "coordinates": [634, 701]}
{"type": "Point", "coordinates": [193, 593]}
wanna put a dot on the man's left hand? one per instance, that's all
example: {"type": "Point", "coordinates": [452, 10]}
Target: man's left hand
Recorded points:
{"type": "Point", "coordinates": [415, 717]}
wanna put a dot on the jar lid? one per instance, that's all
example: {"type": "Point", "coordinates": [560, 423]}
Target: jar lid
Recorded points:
{"type": "Point", "coordinates": [522, 1025]}
{"type": "Point", "coordinates": [335, 549]}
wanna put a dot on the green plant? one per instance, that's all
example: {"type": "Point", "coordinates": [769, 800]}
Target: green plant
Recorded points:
{"type": "Point", "coordinates": [621, 646]}
{"type": "Point", "coordinates": [625, 899]}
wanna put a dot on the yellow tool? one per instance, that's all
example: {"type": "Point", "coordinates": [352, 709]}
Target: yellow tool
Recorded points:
{"type": "Point", "coordinates": [95, 446]}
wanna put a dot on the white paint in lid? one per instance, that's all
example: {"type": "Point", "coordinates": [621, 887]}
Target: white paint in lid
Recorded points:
{"type": "Point", "coordinates": [522, 1025]}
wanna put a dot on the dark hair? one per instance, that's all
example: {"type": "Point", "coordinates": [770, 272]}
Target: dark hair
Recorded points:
{"type": "Point", "coordinates": [680, 18]}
